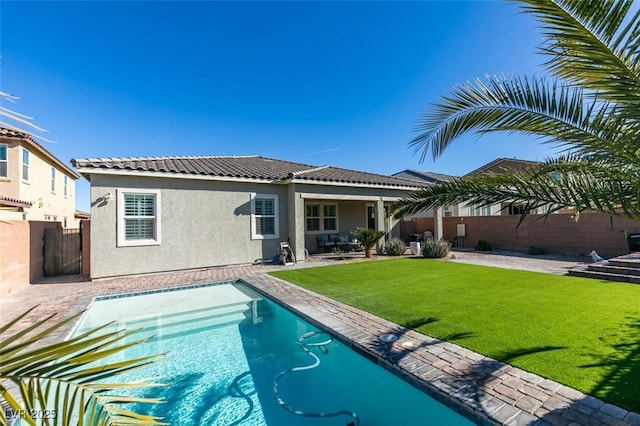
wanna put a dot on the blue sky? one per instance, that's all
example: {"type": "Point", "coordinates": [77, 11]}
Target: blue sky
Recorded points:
{"type": "Point", "coordinates": [339, 83]}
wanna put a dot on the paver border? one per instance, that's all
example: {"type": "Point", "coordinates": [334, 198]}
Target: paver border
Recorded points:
{"type": "Point", "coordinates": [486, 391]}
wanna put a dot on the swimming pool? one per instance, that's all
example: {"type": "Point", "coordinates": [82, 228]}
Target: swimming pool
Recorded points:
{"type": "Point", "coordinates": [225, 346]}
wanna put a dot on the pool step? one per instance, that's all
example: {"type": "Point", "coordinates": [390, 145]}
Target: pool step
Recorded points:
{"type": "Point", "coordinates": [621, 269]}
{"type": "Point", "coordinates": [189, 321]}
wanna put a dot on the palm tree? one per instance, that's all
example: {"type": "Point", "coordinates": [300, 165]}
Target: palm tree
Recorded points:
{"type": "Point", "coordinates": [589, 106]}
{"type": "Point", "coordinates": [61, 384]}
{"type": "Point", "coordinates": [368, 238]}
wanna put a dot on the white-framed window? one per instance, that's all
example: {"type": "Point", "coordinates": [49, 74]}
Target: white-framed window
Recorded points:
{"type": "Point", "coordinates": [313, 217]}
{"type": "Point", "coordinates": [25, 164]}
{"type": "Point", "coordinates": [138, 217]}
{"type": "Point", "coordinates": [53, 179]}
{"type": "Point", "coordinates": [264, 216]}
{"type": "Point", "coordinates": [447, 211]}
{"type": "Point", "coordinates": [477, 210]}
{"type": "Point", "coordinates": [321, 218]}
{"type": "Point", "coordinates": [65, 181]}
{"type": "Point", "coordinates": [329, 217]}
{"type": "Point", "coordinates": [4, 162]}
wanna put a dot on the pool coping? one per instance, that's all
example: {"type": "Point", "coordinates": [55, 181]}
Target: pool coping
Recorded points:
{"type": "Point", "coordinates": [486, 391]}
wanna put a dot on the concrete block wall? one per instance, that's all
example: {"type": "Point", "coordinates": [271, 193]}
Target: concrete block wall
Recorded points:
{"type": "Point", "coordinates": [21, 253]}
{"type": "Point", "coordinates": [14, 256]}
{"type": "Point", "coordinates": [557, 233]}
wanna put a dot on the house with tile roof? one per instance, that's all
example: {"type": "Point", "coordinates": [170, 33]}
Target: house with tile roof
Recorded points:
{"type": "Point", "coordinates": [497, 166]}
{"type": "Point", "coordinates": [34, 184]}
{"type": "Point", "coordinates": [153, 214]}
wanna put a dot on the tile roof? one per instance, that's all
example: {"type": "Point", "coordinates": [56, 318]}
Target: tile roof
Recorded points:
{"type": "Point", "coordinates": [248, 167]}
{"type": "Point", "coordinates": [428, 177]}
{"type": "Point", "coordinates": [502, 166]}
{"type": "Point", "coordinates": [13, 202]}
{"type": "Point", "coordinates": [6, 132]}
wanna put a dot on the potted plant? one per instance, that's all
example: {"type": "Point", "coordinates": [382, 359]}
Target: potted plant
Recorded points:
{"type": "Point", "coordinates": [368, 238]}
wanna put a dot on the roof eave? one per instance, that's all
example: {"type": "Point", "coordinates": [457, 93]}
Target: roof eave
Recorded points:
{"type": "Point", "coordinates": [88, 171]}
{"type": "Point", "coordinates": [354, 184]}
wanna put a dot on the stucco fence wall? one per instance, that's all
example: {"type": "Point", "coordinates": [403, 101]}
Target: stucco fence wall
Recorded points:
{"type": "Point", "coordinates": [557, 233]}
{"type": "Point", "coordinates": [21, 253]}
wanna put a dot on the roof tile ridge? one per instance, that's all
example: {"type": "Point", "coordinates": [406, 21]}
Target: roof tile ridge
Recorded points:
{"type": "Point", "coordinates": [314, 169]}
{"type": "Point", "coordinates": [164, 157]}
{"type": "Point", "coordinates": [368, 173]}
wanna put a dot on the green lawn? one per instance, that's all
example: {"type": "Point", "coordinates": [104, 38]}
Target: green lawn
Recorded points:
{"type": "Point", "coordinates": [581, 332]}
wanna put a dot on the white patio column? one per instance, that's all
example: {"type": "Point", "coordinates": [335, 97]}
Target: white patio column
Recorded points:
{"type": "Point", "coordinates": [380, 215]}
{"type": "Point", "coordinates": [296, 222]}
{"type": "Point", "coordinates": [437, 223]}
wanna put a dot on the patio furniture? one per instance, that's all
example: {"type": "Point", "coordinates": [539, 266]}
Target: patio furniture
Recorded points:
{"type": "Point", "coordinates": [343, 241]}
{"type": "Point", "coordinates": [353, 244]}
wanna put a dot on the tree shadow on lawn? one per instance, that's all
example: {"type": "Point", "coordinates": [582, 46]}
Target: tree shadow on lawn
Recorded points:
{"type": "Point", "coordinates": [456, 376]}
{"type": "Point", "coordinates": [499, 392]}
{"type": "Point", "coordinates": [622, 383]}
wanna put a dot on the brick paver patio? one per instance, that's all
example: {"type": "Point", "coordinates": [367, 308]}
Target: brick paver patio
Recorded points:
{"type": "Point", "coordinates": [487, 391]}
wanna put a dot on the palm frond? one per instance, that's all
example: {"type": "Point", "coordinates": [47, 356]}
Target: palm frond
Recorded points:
{"type": "Point", "coordinates": [547, 109]}
{"type": "Point", "coordinates": [593, 43]}
{"type": "Point", "coordinates": [67, 378]}
{"type": "Point", "coordinates": [572, 186]}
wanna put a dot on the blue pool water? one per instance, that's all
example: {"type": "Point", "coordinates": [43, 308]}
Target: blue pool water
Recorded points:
{"type": "Point", "coordinates": [225, 345]}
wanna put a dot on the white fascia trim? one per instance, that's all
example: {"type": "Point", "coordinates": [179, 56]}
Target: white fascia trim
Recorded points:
{"type": "Point", "coordinates": [116, 172]}
{"type": "Point", "coordinates": [354, 185]}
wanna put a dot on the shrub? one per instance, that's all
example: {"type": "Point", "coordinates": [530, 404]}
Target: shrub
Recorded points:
{"type": "Point", "coordinates": [537, 250]}
{"type": "Point", "coordinates": [395, 247]}
{"type": "Point", "coordinates": [435, 249]}
{"type": "Point", "coordinates": [483, 245]}
{"type": "Point", "coordinates": [339, 253]}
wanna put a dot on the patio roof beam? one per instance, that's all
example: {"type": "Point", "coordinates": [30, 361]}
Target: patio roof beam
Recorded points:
{"type": "Point", "coordinates": [346, 197]}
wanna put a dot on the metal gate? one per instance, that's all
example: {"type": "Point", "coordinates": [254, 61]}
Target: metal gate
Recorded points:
{"type": "Point", "coordinates": [62, 252]}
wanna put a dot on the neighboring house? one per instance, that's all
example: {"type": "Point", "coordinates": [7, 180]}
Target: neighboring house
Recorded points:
{"type": "Point", "coordinates": [170, 213]}
{"type": "Point", "coordinates": [429, 178]}
{"type": "Point", "coordinates": [499, 166]}
{"type": "Point", "coordinates": [34, 184]}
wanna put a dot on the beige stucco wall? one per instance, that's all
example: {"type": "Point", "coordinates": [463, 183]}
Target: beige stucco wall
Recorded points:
{"type": "Point", "coordinates": [203, 223]}
{"type": "Point", "coordinates": [208, 223]}
{"type": "Point", "coordinates": [38, 188]}
{"type": "Point", "coordinates": [10, 186]}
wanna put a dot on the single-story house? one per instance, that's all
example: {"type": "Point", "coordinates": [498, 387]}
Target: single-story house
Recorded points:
{"type": "Point", "coordinates": [170, 213]}
{"type": "Point", "coordinates": [496, 167]}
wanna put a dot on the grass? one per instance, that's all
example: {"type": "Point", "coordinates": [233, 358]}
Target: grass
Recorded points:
{"type": "Point", "coordinates": [581, 332]}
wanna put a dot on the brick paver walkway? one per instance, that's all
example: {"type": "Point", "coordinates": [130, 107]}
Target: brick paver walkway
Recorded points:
{"type": "Point", "coordinates": [488, 391]}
